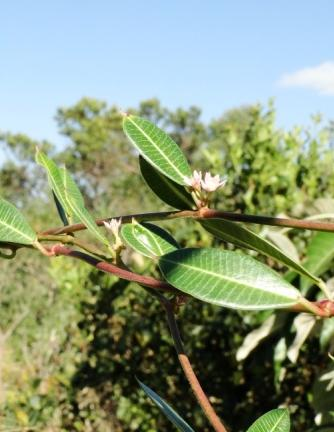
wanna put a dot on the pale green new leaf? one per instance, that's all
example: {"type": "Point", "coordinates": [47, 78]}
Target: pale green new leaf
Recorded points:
{"type": "Point", "coordinates": [157, 148]}
{"type": "Point", "coordinates": [75, 203]}
{"type": "Point", "coordinates": [148, 239]}
{"type": "Point", "coordinates": [13, 226]}
{"type": "Point", "coordinates": [319, 256]}
{"type": "Point", "coordinates": [227, 278]}
{"type": "Point", "coordinates": [277, 420]}
{"type": "Point", "coordinates": [240, 236]}
{"type": "Point", "coordinates": [168, 411]}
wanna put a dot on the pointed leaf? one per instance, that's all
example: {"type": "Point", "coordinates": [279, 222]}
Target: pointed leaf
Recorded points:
{"type": "Point", "coordinates": [277, 420]}
{"type": "Point", "coordinates": [227, 279]}
{"type": "Point", "coordinates": [69, 195]}
{"type": "Point", "coordinates": [148, 239]}
{"type": "Point", "coordinates": [319, 256]}
{"type": "Point", "coordinates": [166, 189]}
{"type": "Point", "coordinates": [75, 203]}
{"type": "Point", "coordinates": [13, 226]}
{"type": "Point", "coordinates": [55, 179]}
{"type": "Point", "coordinates": [157, 148]}
{"type": "Point", "coordinates": [240, 236]}
{"type": "Point", "coordinates": [172, 415]}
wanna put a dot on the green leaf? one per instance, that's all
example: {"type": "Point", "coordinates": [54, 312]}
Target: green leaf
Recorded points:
{"type": "Point", "coordinates": [69, 195]}
{"type": "Point", "coordinates": [60, 210]}
{"type": "Point", "coordinates": [319, 256]}
{"type": "Point", "coordinates": [227, 279]}
{"type": "Point", "coordinates": [240, 236]}
{"type": "Point", "coordinates": [277, 420]}
{"type": "Point", "coordinates": [148, 239]}
{"type": "Point", "coordinates": [55, 179]}
{"type": "Point", "coordinates": [166, 189]}
{"type": "Point", "coordinates": [13, 226]}
{"type": "Point", "coordinates": [157, 148]}
{"type": "Point", "coordinates": [75, 203]}
{"type": "Point", "coordinates": [172, 415]}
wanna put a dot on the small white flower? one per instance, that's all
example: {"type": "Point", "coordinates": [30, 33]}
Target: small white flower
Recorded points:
{"type": "Point", "coordinates": [113, 225]}
{"type": "Point", "coordinates": [212, 183]}
{"type": "Point", "coordinates": [194, 181]}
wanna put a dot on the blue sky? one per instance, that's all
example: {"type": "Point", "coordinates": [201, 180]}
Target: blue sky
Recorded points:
{"type": "Point", "coordinates": [214, 54]}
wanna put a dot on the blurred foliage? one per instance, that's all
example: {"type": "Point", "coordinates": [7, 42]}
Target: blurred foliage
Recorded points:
{"type": "Point", "coordinates": [72, 340]}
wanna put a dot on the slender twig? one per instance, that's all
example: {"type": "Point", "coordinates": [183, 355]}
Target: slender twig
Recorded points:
{"type": "Point", "coordinates": [205, 213]}
{"type": "Point", "coordinates": [68, 239]}
{"type": "Point", "coordinates": [107, 267]}
{"type": "Point", "coordinates": [189, 371]}
{"type": "Point", "coordinates": [140, 217]}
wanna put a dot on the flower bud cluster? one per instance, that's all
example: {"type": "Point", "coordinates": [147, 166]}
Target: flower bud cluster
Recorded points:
{"type": "Point", "coordinates": [113, 226]}
{"type": "Point", "coordinates": [203, 186]}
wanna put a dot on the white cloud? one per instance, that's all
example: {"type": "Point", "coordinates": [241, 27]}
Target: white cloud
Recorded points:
{"type": "Point", "coordinates": [319, 78]}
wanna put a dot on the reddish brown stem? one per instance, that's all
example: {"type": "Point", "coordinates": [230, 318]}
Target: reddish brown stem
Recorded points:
{"type": "Point", "coordinates": [195, 385]}
{"type": "Point", "coordinates": [111, 268]}
{"type": "Point", "coordinates": [205, 213]}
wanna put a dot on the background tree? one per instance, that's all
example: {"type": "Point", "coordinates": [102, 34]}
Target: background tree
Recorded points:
{"type": "Point", "coordinates": [73, 340]}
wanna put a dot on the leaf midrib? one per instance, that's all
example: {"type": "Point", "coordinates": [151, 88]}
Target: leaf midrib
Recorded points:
{"type": "Point", "coordinates": [224, 277]}
{"type": "Point", "coordinates": [157, 147]}
{"type": "Point", "coordinates": [17, 231]}
{"type": "Point", "coordinates": [150, 234]}
{"type": "Point", "coordinates": [277, 423]}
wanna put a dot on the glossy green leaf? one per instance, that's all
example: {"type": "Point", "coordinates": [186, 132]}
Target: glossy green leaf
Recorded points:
{"type": "Point", "coordinates": [166, 189]}
{"type": "Point", "coordinates": [157, 148]}
{"type": "Point", "coordinates": [75, 203]}
{"type": "Point", "coordinates": [227, 278]}
{"type": "Point", "coordinates": [240, 236]}
{"type": "Point", "coordinates": [148, 239]}
{"type": "Point", "coordinates": [277, 420]}
{"type": "Point", "coordinates": [172, 415]}
{"type": "Point", "coordinates": [13, 226]}
{"type": "Point", "coordinates": [319, 256]}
